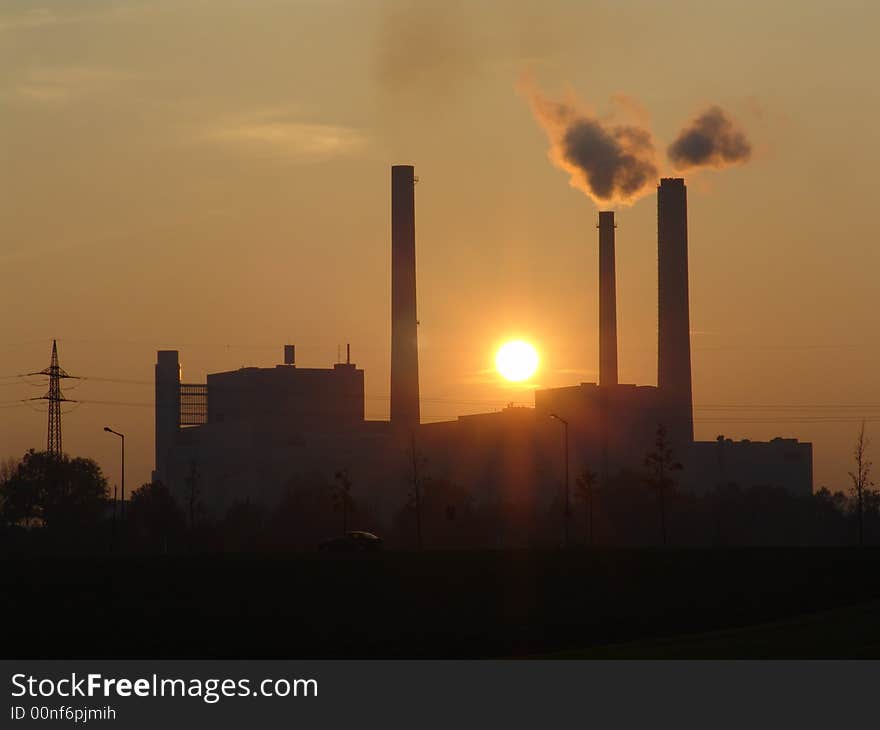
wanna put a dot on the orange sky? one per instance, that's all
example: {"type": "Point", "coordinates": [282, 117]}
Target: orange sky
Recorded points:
{"type": "Point", "coordinates": [213, 177]}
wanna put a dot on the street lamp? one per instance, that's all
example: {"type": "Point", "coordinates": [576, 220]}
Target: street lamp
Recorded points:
{"type": "Point", "coordinates": [567, 500]}
{"type": "Point", "coordinates": [121, 436]}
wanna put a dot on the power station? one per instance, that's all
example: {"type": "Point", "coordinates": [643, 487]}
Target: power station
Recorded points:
{"type": "Point", "coordinates": [247, 432]}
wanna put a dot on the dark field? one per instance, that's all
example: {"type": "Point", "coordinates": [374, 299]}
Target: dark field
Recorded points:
{"type": "Point", "coordinates": [850, 631]}
{"type": "Point", "coordinates": [616, 603]}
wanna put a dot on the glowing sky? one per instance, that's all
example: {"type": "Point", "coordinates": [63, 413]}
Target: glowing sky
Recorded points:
{"type": "Point", "coordinates": [213, 176]}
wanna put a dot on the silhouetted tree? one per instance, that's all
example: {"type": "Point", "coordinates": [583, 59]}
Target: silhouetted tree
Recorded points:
{"type": "Point", "coordinates": [661, 464]}
{"type": "Point", "coordinates": [342, 498]}
{"type": "Point", "coordinates": [155, 519]}
{"type": "Point", "coordinates": [861, 478]}
{"type": "Point", "coordinates": [242, 526]}
{"type": "Point", "coordinates": [585, 483]}
{"type": "Point", "coordinates": [830, 517]}
{"type": "Point", "coordinates": [57, 492]}
{"type": "Point", "coordinates": [872, 515]}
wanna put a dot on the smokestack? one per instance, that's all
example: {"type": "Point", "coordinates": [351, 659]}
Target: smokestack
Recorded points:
{"type": "Point", "coordinates": [404, 336]}
{"type": "Point", "coordinates": [607, 301]}
{"type": "Point", "coordinates": [674, 348]}
{"type": "Point", "coordinates": [167, 409]}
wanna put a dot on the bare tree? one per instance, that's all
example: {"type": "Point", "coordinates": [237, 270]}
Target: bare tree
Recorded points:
{"type": "Point", "coordinates": [861, 478]}
{"type": "Point", "coordinates": [661, 464]}
{"type": "Point", "coordinates": [586, 482]}
{"type": "Point", "coordinates": [342, 497]}
{"type": "Point", "coordinates": [8, 467]}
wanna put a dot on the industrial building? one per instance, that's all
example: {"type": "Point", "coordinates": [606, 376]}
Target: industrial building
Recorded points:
{"type": "Point", "coordinates": [245, 433]}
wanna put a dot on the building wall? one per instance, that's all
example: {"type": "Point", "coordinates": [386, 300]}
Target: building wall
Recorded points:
{"type": "Point", "coordinates": [512, 463]}
{"type": "Point", "coordinates": [257, 460]}
{"type": "Point", "coordinates": [303, 397]}
{"type": "Point", "coordinates": [503, 455]}
{"type": "Point", "coordinates": [611, 428]}
{"type": "Point", "coordinates": [786, 463]}
{"type": "Point", "coordinates": [264, 426]}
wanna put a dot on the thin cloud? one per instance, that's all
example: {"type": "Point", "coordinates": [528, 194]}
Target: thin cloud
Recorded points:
{"type": "Point", "coordinates": [61, 84]}
{"type": "Point", "coordinates": [573, 371]}
{"type": "Point", "coordinates": [34, 18]}
{"type": "Point", "coordinates": [292, 139]}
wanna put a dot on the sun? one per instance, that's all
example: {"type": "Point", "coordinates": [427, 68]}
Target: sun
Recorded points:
{"type": "Point", "coordinates": [516, 360]}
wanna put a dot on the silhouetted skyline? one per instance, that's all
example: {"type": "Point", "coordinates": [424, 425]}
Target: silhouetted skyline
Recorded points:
{"type": "Point", "coordinates": [215, 202]}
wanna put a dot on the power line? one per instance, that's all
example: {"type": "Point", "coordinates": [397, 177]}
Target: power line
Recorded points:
{"type": "Point", "coordinates": [733, 408]}
{"type": "Point", "coordinates": [718, 413]}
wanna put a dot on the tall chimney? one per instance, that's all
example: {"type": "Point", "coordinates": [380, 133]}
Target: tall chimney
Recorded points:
{"type": "Point", "coordinates": [674, 347]}
{"type": "Point", "coordinates": [167, 409]}
{"type": "Point", "coordinates": [404, 336]}
{"type": "Point", "coordinates": [607, 301]}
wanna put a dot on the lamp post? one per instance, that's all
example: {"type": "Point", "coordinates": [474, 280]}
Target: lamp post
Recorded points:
{"type": "Point", "coordinates": [122, 480]}
{"type": "Point", "coordinates": [567, 499]}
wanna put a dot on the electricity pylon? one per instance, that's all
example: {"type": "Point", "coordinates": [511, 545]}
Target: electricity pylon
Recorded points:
{"type": "Point", "coordinates": [55, 398]}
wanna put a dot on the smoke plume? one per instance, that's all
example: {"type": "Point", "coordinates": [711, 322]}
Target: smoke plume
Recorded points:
{"type": "Point", "coordinates": [426, 46]}
{"type": "Point", "coordinates": [710, 140]}
{"type": "Point", "coordinates": [611, 163]}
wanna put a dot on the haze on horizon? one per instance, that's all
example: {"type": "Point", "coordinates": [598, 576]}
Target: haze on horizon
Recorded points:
{"type": "Point", "coordinates": [209, 176]}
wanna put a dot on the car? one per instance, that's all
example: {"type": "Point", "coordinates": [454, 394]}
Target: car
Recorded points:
{"type": "Point", "coordinates": [355, 541]}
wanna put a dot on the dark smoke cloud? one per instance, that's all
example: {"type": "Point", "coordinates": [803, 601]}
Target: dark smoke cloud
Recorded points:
{"type": "Point", "coordinates": [434, 49]}
{"type": "Point", "coordinates": [426, 46]}
{"type": "Point", "coordinates": [710, 140]}
{"type": "Point", "coordinates": [610, 163]}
